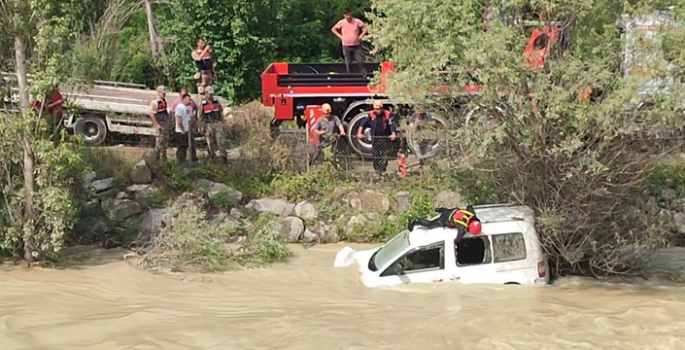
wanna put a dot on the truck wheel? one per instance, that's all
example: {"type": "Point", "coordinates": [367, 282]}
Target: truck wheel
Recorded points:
{"type": "Point", "coordinates": [434, 145]}
{"type": "Point", "coordinates": [360, 146]}
{"type": "Point", "coordinates": [93, 129]}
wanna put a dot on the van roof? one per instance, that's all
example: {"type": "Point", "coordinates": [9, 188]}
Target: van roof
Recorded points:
{"type": "Point", "coordinates": [488, 214]}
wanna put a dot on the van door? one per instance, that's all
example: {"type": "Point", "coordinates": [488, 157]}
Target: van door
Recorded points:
{"type": "Point", "coordinates": [473, 261]}
{"type": "Point", "coordinates": [424, 264]}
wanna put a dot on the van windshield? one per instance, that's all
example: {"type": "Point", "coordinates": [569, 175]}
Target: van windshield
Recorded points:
{"type": "Point", "coordinates": [390, 250]}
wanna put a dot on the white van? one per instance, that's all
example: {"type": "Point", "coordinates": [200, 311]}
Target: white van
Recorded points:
{"type": "Point", "coordinates": [506, 252]}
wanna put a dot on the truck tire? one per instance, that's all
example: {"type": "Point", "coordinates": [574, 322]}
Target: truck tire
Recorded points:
{"type": "Point", "coordinates": [435, 146]}
{"type": "Point", "coordinates": [92, 128]}
{"type": "Point", "coordinates": [361, 147]}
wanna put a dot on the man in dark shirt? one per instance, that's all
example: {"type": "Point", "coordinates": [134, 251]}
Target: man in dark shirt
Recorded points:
{"type": "Point", "coordinates": [325, 129]}
{"type": "Point", "coordinates": [383, 130]}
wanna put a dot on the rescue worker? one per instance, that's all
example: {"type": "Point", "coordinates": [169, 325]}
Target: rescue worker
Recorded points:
{"type": "Point", "coordinates": [383, 130]}
{"type": "Point", "coordinates": [213, 124]}
{"type": "Point", "coordinates": [159, 114]}
{"type": "Point", "coordinates": [325, 128]}
{"type": "Point", "coordinates": [463, 220]}
{"type": "Point", "coordinates": [206, 75]}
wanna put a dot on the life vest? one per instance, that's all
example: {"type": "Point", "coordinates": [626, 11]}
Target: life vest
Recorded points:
{"type": "Point", "coordinates": [211, 111]}
{"type": "Point", "coordinates": [461, 217]}
{"type": "Point", "coordinates": [386, 114]}
{"type": "Point", "coordinates": [162, 108]}
{"type": "Point", "coordinates": [205, 63]}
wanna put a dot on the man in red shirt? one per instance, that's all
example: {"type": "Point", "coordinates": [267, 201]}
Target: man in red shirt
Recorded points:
{"type": "Point", "coordinates": [55, 106]}
{"type": "Point", "coordinates": [350, 31]}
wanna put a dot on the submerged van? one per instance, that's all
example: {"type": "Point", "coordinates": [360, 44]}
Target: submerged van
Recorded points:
{"type": "Point", "coordinates": [506, 252]}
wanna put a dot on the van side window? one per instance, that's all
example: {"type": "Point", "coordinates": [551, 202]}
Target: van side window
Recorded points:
{"type": "Point", "coordinates": [430, 257]}
{"type": "Point", "coordinates": [473, 251]}
{"type": "Point", "coordinates": [509, 247]}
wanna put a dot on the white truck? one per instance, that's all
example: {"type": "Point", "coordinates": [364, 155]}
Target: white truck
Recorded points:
{"type": "Point", "coordinates": [103, 108]}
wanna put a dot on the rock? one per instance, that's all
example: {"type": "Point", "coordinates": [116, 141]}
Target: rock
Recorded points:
{"type": "Point", "coordinates": [368, 201]}
{"type": "Point", "coordinates": [91, 229]}
{"type": "Point", "coordinates": [236, 213]}
{"type": "Point", "coordinates": [393, 218]}
{"type": "Point", "coordinates": [135, 188]}
{"type": "Point", "coordinates": [202, 185]}
{"type": "Point", "coordinates": [310, 237]}
{"type": "Point", "coordinates": [358, 225]}
{"type": "Point", "coordinates": [122, 195]}
{"type": "Point", "coordinates": [449, 199]}
{"type": "Point", "coordinates": [119, 210]}
{"type": "Point", "coordinates": [652, 206]}
{"type": "Point", "coordinates": [326, 232]}
{"type": "Point", "coordinates": [91, 207]}
{"type": "Point", "coordinates": [306, 210]}
{"type": "Point", "coordinates": [145, 196]}
{"type": "Point", "coordinates": [679, 222]}
{"type": "Point", "coordinates": [141, 228]}
{"type": "Point", "coordinates": [219, 218]}
{"type": "Point", "coordinates": [141, 173]}
{"type": "Point", "coordinates": [88, 179]}
{"type": "Point", "coordinates": [215, 190]}
{"type": "Point", "coordinates": [102, 185]}
{"type": "Point", "coordinates": [401, 202]}
{"type": "Point", "coordinates": [668, 193]}
{"type": "Point", "coordinates": [274, 206]}
{"type": "Point", "coordinates": [111, 193]}
{"type": "Point", "coordinates": [289, 228]}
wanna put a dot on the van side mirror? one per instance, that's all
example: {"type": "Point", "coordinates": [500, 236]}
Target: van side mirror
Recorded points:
{"type": "Point", "coordinates": [398, 269]}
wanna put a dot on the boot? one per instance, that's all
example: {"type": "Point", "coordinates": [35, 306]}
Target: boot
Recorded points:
{"type": "Point", "coordinates": [412, 223]}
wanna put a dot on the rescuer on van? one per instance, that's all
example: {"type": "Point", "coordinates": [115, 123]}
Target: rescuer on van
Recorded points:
{"type": "Point", "coordinates": [159, 114]}
{"type": "Point", "coordinates": [463, 220]}
{"type": "Point", "coordinates": [213, 124]}
{"type": "Point", "coordinates": [383, 130]}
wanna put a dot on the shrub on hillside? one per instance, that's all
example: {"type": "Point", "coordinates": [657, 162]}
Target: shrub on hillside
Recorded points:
{"type": "Point", "coordinates": [190, 243]}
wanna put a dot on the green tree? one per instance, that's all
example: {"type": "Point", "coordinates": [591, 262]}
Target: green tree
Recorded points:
{"type": "Point", "coordinates": [530, 138]}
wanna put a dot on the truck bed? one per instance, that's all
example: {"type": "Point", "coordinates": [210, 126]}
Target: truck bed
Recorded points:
{"type": "Point", "coordinates": [325, 74]}
{"type": "Point", "coordinates": [107, 96]}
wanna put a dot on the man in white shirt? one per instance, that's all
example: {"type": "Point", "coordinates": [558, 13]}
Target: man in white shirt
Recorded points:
{"type": "Point", "coordinates": [184, 139]}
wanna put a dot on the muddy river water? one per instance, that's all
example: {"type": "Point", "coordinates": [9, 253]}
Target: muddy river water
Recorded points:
{"type": "Point", "coordinates": [307, 305]}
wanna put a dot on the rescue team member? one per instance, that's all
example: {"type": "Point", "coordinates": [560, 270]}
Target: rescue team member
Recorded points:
{"type": "Point", "coordinates": [213, 124]}
{"type": "Point", "coordinates": [350, 31]}
{"type": "Point", "coordinates": [325, 128]}
{"type": "Point", "coordinates": [183, 114]}
{"type": "Point", "coordinates": [383, 130]}
{"type": "Point", "coordinates": [463, 220]}
{"type": "Point", "coordinates": [159, 115]}
{"type": "Point", "coordinates": [206, 75]}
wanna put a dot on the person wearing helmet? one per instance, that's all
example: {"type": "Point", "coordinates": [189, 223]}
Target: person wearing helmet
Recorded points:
{"type": "Point", "coordinates": [463, 220]}
{"type": "Point", "coordinates": [326, 128]}
{"type": "Point", "coordinates": [383, 130]}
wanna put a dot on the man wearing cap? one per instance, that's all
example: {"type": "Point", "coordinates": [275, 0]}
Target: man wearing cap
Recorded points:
{"type": "Point", "coordinates": [325, 129]}
{"type": "Point", "coordinates": [213, 124]}
{"type": "Point", "coordinates": [159, 115]}
{"type": "Point", "coordinates": [383, 130]}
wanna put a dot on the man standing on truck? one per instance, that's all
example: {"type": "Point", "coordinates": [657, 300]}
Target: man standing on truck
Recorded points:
{"type": "Point", "coordinates": [206, 75]}
{"type": "Point", "coordinates": [383, 130]}
{"type": "Point", "coordinates": [350, 31]}
{"type": "Point", "coordinates": [159, 114]}
{"type": "Point", "coordinates": [463, 220]}
{"type": "Point", "coordinates": [325, 129]}
{"type": "Point", "coordinates": [183, 114]}
{"type": "Point", "coordinates": [213, 124]}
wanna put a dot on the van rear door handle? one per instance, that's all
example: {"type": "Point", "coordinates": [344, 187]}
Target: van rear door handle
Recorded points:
{"type": "Point", "coordinates": [437, 280]}
{"type": "Point", "coordinates": [455, 278]}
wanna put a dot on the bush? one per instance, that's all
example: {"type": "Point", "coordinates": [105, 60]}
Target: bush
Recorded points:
{"type": "Point", "coordinates": [190, 243]}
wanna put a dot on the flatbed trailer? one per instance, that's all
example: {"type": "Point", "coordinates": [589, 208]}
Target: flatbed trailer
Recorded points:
{"type": "Point", "coordinates": [105, 107]}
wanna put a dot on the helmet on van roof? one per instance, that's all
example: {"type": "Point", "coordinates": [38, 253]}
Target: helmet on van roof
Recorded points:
{"type": "Point", "coordinates": [475, 227]}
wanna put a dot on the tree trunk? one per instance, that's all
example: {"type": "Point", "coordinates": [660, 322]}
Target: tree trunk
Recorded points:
{"type": "Point", "coordinates": [29, 181]}
{"type": "Point", "coordinates": [155, 46]}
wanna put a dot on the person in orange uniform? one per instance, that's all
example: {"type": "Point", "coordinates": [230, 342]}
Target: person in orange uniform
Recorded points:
{"type": "Point", "coordinates": [463, 220]}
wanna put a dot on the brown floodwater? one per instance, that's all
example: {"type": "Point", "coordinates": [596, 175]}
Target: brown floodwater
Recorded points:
{"type": "Point", "coordinates": [306, 304]}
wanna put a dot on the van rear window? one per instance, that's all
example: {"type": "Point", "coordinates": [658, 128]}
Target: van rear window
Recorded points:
{"type": "Point", "coordinates": [508, 247]}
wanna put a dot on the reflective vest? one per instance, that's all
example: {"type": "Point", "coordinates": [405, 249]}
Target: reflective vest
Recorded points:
{"type": "Point", "coordinates": [386, 114]}
{"type": "Point", "coordinates": [162, 111]}
{"type": "Point", "coordinates": [205, 63]}
{"type": "Point", "coordinates": [461, 217]}
{"type": "Point", "coordinates": [211, 111]}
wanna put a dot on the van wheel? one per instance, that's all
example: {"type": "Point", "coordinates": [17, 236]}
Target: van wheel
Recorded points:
{"type": "Point", "coordinates": [360, 146]}
{"type": "Point", "coordinates": [512, 284]}
{"type": "Point", "coordinates": [92, 128]}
